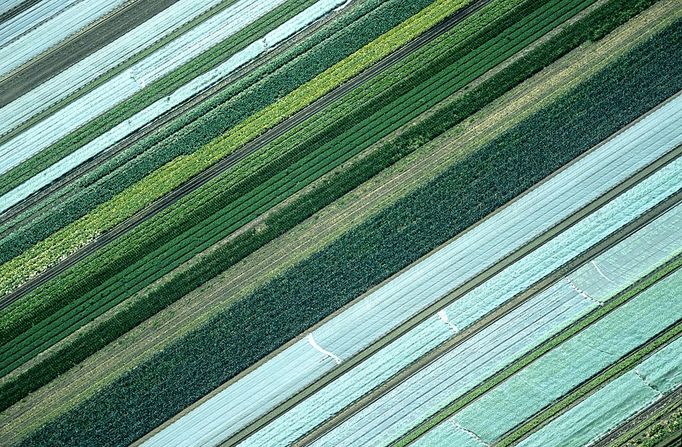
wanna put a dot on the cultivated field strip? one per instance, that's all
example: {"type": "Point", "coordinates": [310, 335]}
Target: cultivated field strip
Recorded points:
{"type": "Point", "coordinates": [574, 361]}
{"type": "Point", "coordinates": [30, 19]}
{"type": "Point", "coordinates": [433, 278]}
{"type": "Point", "coordinates": [98, 63]}
{"type": "Point", "coordinates": [67, 320]}
{"type": "Point", "coordinates": [467, 310]}
{"type": "Point", "coordinates": [8, 8]}
{"type": "Point", "coordinates": [467, 364]}
{"type": "Point", "coordinates": [634, 391]}
{"type": "Point", "coordinates": [56, 396]}
{"type": "Point", "coordinates": [201, 111]}
{"type": "Point", "coordinates": [19, 46]}
{"type": "Point", "coordinates": [644, 385]}
{"type": "Point", "coordinates": [153, 67]}
{"type": "Point", "coordinates": [186, 174]}
{"type": "Point", "coordinates": [154, 111]}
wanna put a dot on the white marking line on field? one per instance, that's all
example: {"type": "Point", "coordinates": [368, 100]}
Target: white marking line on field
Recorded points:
{"type": "Point", "coordinates": [444, 318]}
{"type": "Point", "coordinates": [314, 344]}
{"type": "Point", "coordinates": [596, 267]}
{"type": "Point", "coordinates": [646, 382]}
{"type": "Point", "coordinates": [471, 434]}
{"type": "Point", "coordinates": [582, 292]}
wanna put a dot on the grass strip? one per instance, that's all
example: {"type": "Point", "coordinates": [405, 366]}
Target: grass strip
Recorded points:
{"type": "Point", "coordinates": [614, 371]}
{"type": "Point", "coordinates": [273, 314]}
{"type": "Point", "coordinates": [153, 92]}
{"type": "Point", "coordinates": [223, 217]}
{"type": "Point", "coordinates": [545, 347]}
{"type": "Point", "coordinates": [173, 174]}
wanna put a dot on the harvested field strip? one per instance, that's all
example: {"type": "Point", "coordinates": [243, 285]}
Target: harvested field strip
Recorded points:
{"type": "Point", "coordinates": [209, 119]}
{"type": "Point", "coordinates": [317, 232]}
{"type": "Point", "coordinates": [332, 289]}
{"type": "Point", "coordinates": [598, 406]}
{"type": "Point", "coordinates": [181, 169]}
{"type": "Point", "coordinates": [187, 245]}
{"type": "Point", "coordinates": [643, 294]}
{"type": "Point", "coordinates": [336, 395]}
{"type": "Point", "coordinates": [121, 118]}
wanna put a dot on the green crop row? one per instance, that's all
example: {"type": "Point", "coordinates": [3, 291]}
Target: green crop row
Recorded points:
{"type": "Point", "coordinates": [170, 381]}
{"type": "Point", "coordinates": [541, 350]}
{"type": "Point", "coordinates": [150, 94]}
{"type": "Point", "coordinates": [126, 244]}
{"type": "Point", "coordinates": [315, 155]}
{"type": "Point", "coordinates": [205, 122]}
{"type": "Point", "coordinates": [173, 174]}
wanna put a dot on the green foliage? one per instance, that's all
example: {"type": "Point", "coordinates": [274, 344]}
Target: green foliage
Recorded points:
{"type": "Point", "coordinates": [198, 126]}
{"type": "Point", "coordinates": [144, 256]}
{"type": "Point", "coordinates": [462, 195]}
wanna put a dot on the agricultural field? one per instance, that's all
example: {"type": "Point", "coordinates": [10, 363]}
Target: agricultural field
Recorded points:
{"type": "Point", "coordinates": [340, 222]}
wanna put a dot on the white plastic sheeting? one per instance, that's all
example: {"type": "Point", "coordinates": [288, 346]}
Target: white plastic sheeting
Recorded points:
{"type": "Point", "coordinates": [88, 69]}
{"type": "Point", "coordinates": [33, 18]}
{"type": "Point", "coordinates": [620, 399]}
{"type": "Point", "coordinates": [468, 364]}
{"type": "Point", "coordinates": [494, 292]}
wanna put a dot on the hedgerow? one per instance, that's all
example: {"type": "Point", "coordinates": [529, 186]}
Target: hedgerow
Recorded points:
{"type": "Point", "coordinates": [481, 182]}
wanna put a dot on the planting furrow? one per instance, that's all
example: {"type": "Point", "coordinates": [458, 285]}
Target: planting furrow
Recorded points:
{"type": "Point", "coordinates": [32, 17]}
{"type": "Point", "coordinates": [643, 376]}
{"type": "Point", "coordinates": [617, 393]}
{"type": "Point", "coordinates": [461, 368]}
{"type": "Point", "coordinates": [75, 16]}
{"type": "Point", "coordinates": [172, 175]}
{"type": "Point", "coordinates": [155, 66]}
{"type": "Point", "coordinates": [209, 119]}
{"type": "Point", "coordinates": [574, 361]}
{"type": "Point", "coordinates": [313, 234]}
{"type": "Point", "coordinates": [216, 367]}
{"type": "Point", "coordinates": [162, 106]}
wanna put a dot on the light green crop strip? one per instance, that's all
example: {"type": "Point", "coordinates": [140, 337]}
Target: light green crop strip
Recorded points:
{"type": "Point", "coordinates": [74, 236]}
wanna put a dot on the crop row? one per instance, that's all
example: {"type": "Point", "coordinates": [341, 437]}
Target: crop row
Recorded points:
{"type": "Point", "coordinates": [118, 116]}
{"type": "Point", "coordinates": [618, 304]}
{"type": "Point", "coordinates": [307, 205]}
{"type": "Point", "coordinates": [392, 304]}
{"type": "Point", "coordinates": [120, 87]}
{"type": "Point", "coordinates": [213, 210]}
{"type": "Point", "coordinates": [268, 188]}
{"type": "Point", "coordinates": [384, 244]}
{"type": "Point", "coordinates": [179, 170]}
{"type": "Point", "coordinates": [208, 120]}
